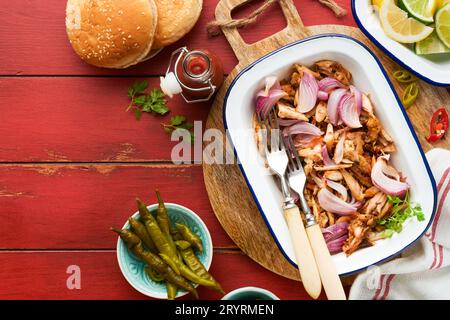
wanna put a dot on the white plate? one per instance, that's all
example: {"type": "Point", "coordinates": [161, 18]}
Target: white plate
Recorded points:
{"type": "Point", "coordinates": [370, 77]}
{"type": "Point", "coordinates": [434, 69]}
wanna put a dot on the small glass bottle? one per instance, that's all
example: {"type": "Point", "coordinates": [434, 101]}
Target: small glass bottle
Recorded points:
{"type": "Point", "coordinates": [197, 75]}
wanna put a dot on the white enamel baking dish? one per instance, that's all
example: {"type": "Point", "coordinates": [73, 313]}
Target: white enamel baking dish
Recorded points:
{"type": "Point", "coordinates": [434, 69]}
{"type": "Point", "coordinates": [371, 78]}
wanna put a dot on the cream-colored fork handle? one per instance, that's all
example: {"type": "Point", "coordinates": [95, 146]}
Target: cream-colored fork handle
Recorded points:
{"type": "Point", "coordinates": [327, 269]}
{"type": "Point", "coordinates": [305, 257]}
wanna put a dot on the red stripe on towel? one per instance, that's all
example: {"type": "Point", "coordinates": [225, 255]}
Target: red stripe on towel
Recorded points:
{"type": "Point", "coordinates": [441, 182]}
{"type": "Point", "coordinates": [388, 286]}
{"type": "Point", "coordinates": [439, 211]}
{"type": "Point", "coordinates": [380, 288]}
{"type": "Point", "coordinates": [435, 256]}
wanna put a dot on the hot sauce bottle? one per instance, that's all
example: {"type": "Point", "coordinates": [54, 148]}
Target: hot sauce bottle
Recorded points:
{"type": "Point", "coordinates": [196, 75]}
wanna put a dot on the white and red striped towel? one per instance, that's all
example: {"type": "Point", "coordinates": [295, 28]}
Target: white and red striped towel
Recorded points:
{"type": "Point", "coordinates": [423, 271]}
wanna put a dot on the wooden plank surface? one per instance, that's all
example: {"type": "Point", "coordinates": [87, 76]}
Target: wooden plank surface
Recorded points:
{"type": "Point", "coordinates": [55, 108]}
{"type": "Point", "coordinates": [34, 39]}
{"type": "Point", "coordinates": [42, 275]}
{"type": "Point", "coordinates": [46, 206]}
{"type": "Point", "coordinates": [82, 119]}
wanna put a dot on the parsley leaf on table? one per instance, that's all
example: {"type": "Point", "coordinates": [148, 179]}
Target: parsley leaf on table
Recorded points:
{"type": "Point", "coordinates": [153, 102]}
{"type": "Point", "coordinates": [179, 122]}
{"type": "Point", "coordinates": [402, 210]}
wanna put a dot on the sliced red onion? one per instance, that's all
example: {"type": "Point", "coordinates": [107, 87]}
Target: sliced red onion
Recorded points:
{"type": "Point", "coordinates": [287, 122]}
{"type": "Point", "coordinates": [333, 103]}
{"type": "Point", "coordinates": [328, 201]}
{"type": "Point", "coordinates": [336, 186]}
{"type": "Point", "coordinates": [367, 104]}
{"type": "Point", "coordinates": [320, 182]}
{"type": "Point", "coordinates": [267, 98]}
{"type": "Point", "coordinates": [307, 93]}
{"type": "Point", "coordinates": [384, 183]}
{"type": "Point", "coordinates": [358, 97]}
{"type": "Point", "coordinates": [335, 231]}
{"type": "Point", "coordinates": [357, 204]}
{"type": "Point", "coordinates": [391, 172]}
{"type": "Point", "coordinates": [326, 158]}
{"type": "Point", "coordinates": [339, 150]}
{"type": "Point", "coordinates": [335, 246]}
{"type": "Point", "coordinates": [328, 84]}
{"type": "Point", "coordinates": [348, 111]}
{"type": "Point", "coordinates": [302, 127]}
{"type": "Point", "coordinates": [322, 95]}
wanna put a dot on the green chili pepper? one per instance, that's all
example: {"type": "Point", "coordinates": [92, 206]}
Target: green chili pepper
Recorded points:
{"type": "Point", "coordinates": [139, 229]}
{"type": "Point", "coordinates": [183, 244]}
{"type": "Point", "coordinates": [163, 246]}
{"type": "Point", "coordinates": [190, 236]}
{"type": "Point", "coordinates": [135, 245]}
{"type": "Point", "coordinates": [195, 265]}
{"type": "Point", "coordinates": [170, 262]}
{"type": "Point", "coordinates": [163, 220]}
{"type": "Point", "coordinates": [171, 291]}
{"type": "Point", "coordinates": [410, 94]}
{"type": "Point", "coordinates": [404, 76]}
{"type": "Point", "coordinates": [153, 274]}
{"type": "Point", "coordinates": [155, 232]}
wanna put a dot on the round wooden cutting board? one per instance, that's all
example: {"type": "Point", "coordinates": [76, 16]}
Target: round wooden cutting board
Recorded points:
{"type": "Point", "coordinates": [227, 190]}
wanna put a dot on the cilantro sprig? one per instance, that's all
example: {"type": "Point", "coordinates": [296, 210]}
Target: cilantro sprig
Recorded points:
{"type": "Point", "coordinates": [402, 210]}
{"type": "Point", "coordinates": [179, 122]}
{"type": "Point", "coordinates": [141, 101]}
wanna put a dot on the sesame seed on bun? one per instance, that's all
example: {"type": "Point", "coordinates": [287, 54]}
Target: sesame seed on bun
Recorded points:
{"type": "Point", "coordinates": [175, 19]}
{"type": "Point", "coordinates": [111, 33]}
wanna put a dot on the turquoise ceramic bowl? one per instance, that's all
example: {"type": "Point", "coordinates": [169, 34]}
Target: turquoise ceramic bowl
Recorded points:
{"type": "Point", "coordinates": [250, 293]}
{"type": "Point", "coordinates": [133, 269]}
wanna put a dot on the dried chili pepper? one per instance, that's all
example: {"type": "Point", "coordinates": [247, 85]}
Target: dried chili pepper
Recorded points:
{"type": "Point", "coordinates": [438, 125]}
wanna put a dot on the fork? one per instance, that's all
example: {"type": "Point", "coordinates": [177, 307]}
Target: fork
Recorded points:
{"type": "Point", "coordinates": [327, 269]}
{"type": "Point", "coordinates": [277, 160]}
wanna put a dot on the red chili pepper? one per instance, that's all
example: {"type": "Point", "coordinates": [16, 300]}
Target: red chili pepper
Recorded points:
{"type": "Point", "coordinates": [438, 125]}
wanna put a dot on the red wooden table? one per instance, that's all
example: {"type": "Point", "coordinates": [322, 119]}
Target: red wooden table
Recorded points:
{"type": "Point", "coordinates": [72, 160]}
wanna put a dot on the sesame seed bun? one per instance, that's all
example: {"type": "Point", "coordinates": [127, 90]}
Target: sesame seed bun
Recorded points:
{"type": "Point", "coordinates": [111, 33]}
{"type": "Point", "coordinates": [175, 19]}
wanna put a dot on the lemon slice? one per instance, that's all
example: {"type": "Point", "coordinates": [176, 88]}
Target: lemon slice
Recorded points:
{"type": "Point", "coordinates": [399, 27]}
{"type": "Point", "coordinates": [431, 45]}
{"type": "Point", "coordinates": [422, 10]}
{"type": "Point", "coordinates": [442, 3]}
{"type": "Point", "coordinates": [443, 24]}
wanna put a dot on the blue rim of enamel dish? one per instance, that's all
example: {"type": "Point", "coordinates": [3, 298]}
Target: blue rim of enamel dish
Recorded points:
{"type": "Point", "coordinates": [390, 54]}
{"type": "Point", "coordinates": [399, 105]}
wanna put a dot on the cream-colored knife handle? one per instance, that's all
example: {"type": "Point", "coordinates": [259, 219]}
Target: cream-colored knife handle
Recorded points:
{"type": "Point", "coordinates": [307, 265]}
{"type": "Point", "coordinates": [327, 269]}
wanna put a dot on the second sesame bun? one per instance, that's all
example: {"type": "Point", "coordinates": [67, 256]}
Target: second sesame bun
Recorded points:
{"type": "Point", "coordinates": [175, 19]}
{"type": "Point", "coordinates": [111, 33]}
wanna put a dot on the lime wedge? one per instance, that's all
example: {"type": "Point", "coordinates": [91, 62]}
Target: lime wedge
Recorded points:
{"type": "Point", "coordinates": [431, 45]}
{"type": "Point", "coordinates": [422, 10]}
{"type": "Point", "coordinates": [443, 24]}
{"type": "Point", "coordinates": [398, 26]}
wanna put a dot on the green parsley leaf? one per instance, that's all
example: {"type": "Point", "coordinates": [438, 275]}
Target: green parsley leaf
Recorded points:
{"type": "Point", "coordinates": [155, 102]}
{"type": "Point", "coordinates": [138, 114]}
{"type": "Point", "coordinates": [402, 210]}
{"type": "Point", "coordinates": [137, 87]}
{"type": "Point", "coordinates": [139, 101]}
{"type": "Point", "coordinates": [177, 120]}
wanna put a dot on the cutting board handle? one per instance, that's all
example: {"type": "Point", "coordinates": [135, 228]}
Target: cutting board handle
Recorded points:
{"type": "Point", "coordinates": [247, 53]}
